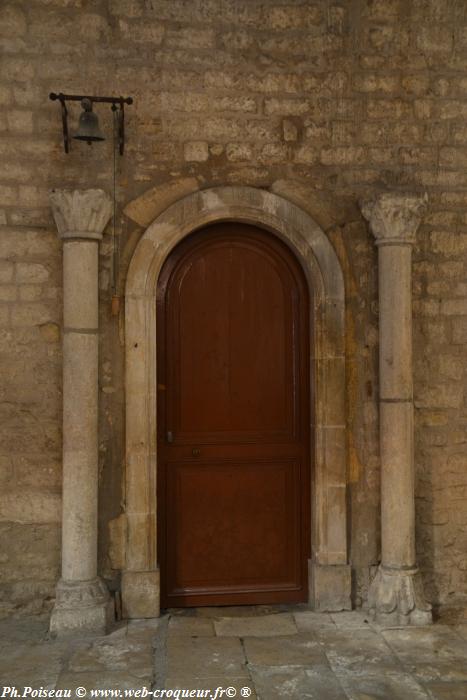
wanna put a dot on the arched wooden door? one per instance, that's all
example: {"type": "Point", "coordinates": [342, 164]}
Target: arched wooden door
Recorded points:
{"type": "Point", "coordinates": [234, 420]}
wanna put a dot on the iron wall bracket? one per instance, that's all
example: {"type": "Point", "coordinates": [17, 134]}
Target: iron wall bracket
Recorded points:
{"type": "Point", "coordinates": [116, 102]}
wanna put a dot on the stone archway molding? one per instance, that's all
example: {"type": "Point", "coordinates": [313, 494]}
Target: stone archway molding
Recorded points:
{"type": "Point", "coordinates": [329, 569]}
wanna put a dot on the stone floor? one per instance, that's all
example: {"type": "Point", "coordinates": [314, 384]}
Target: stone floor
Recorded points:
{"type": "Point", "coordinates": [259, 652]}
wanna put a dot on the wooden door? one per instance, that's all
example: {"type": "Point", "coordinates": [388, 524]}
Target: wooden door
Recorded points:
{"type": "Point", "coordinates": [233, 416]}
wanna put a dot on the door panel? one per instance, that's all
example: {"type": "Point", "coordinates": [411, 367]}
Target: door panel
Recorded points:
{"type": "Point", "coordinates": [214, 326]}
{"type": "Point", "coordinates": [233, 415]}
{"type": "Point", "coordinates": [214, 546]}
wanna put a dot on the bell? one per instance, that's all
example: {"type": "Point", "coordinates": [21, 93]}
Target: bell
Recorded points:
{"type": "Point", "coordinates": [88, 127]}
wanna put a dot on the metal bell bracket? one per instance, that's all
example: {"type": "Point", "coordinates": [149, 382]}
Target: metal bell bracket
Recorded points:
{"type": "Point", "coordinates": [116, 102]}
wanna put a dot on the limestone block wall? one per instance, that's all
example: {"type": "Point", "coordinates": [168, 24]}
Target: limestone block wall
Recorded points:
{"type": "Point", "coordinates": [30, 409]}
{"type": "Point", "coordinates": [322, 102]}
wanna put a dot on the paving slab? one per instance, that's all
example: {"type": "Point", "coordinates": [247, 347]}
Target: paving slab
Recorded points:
{"type": "Point", "coordinates": [211, 684]}
{"type": "Point", "coordinates": [258, 626]}
{"type": "Point", "coordinates": [356, 648]}
{"type": "Point", "coordinates": [381, 684]}
{"type": "Point", "coordinates": [237, 611]}
{"type": "Point", "coordinates": [426, 644]}
{"type": "Point", "coordinates": [274, 651]}
{"type": "Point", "coordinates": [23, 630]}
{"type": "Point", "coordinates": [146, 628]}
{"type": "Point", "coordinates": [448, 691]}
{"type": "Point", "coordinates": [203, 657]}
{"type": "Point", "coordinates": [307, 621]}
{"type": "Point", "coordinates": [449, 671]}
{"type": "Point", "coordinates": [100, 680]}
{"type": "Point", "coordinates": [297, 683]}
{"type": "Point", "coordinates": [117, 655]}
{"type": "Point", "coordinates": [41, 678]}
{"type": "Point", "coordinates": [41, 663]}
{"type": "Point", "coordinates": [298, 650]}
{"type": "Point", "coordinates": [190, 626]}
{"type": "Point", "coordinates": [353, 619]}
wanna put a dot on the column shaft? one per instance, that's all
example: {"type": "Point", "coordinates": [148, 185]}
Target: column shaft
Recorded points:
{"type": "Point", "coordinates": [80, 419]}
{"type": "Point", "coordinates": [396, 406]}
{"type": "Point", "coordinates": [395, 321]}
{"type": "Point", "coordinates": [397, 486]}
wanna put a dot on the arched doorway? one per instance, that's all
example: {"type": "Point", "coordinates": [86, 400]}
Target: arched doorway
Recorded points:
{"type": "Point", "coordinates": [233, 429]}
{"type": "Point", "coordinates": [329, 579]}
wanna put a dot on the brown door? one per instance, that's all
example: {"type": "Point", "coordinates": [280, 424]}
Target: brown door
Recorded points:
{"type": "Point", "coordinates": [233, 407]}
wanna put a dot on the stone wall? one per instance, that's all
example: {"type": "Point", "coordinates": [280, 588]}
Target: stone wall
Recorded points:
{"type": "Point", "coordinates": [322, 102]}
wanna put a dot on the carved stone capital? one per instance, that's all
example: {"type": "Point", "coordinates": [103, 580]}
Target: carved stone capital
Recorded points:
{"type": "Point", "coordinates": [394, 217]}
{"type": "Point", "coordinates": [81, 213]}
{"type": "Point", "coordinates": [81, 607]}
{"type": "Point", "coordinates": [396, 598]}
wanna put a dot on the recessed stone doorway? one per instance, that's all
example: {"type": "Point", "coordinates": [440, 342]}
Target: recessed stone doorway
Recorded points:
{"type": "Point", "coordinates": [329, 567]}
{"type": "Point", "coordinates": [396, 594]}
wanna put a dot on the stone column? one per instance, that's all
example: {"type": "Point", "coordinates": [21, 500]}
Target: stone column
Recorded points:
{"type": "Point", "coordinates": [396, 594]}
{"type": "Point", "coordinates": [82, 602]}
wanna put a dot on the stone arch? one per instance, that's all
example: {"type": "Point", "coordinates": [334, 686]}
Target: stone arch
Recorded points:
{"type": "Point", "coordinates": [329, 570]}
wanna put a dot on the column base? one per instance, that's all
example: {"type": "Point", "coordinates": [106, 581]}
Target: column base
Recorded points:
{"type": "Point", "coordinates": [330, 587]}
{"type": "Point", "coordinates": [82, 608]}
{"type": "Point", "coordinates": [140, 594]}
{"type": "Point", "coordinates": [396, 598]}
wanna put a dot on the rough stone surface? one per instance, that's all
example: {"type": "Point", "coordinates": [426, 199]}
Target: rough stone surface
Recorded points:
{"type": "Point", "coordinates": [340, 101]}
{"type": "Point", "coordinates": [333, 657]}
{"type": "Point", "coordinates": [145, 208]}
{"type": "Point", "coordinates": [194, 626]}
{"type": "Point", "coordinates": [204, 657]}
{"type": "Point", "coordinates": [260, 626]}
{"type": "Point", "coordinates": [140, 592]}
{"type": "Point", "coordinates": [331, 586]}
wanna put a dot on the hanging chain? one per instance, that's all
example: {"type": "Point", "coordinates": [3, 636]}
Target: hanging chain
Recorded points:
{"type": "Point", "coordinates": [114, 273]}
